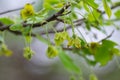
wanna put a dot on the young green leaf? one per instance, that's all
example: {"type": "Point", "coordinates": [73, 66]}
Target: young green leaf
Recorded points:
{"type": "Point", "coordinates": [91, 3]}
{"type": "Point", "coordinates": [86, 7]}
{"type": "Point", "coordinates": [93, 16]}
{"type": "Point", "coordinates": [52, 4]}
{"type": "Point", "coordinates": [6, 21]}
{"type": "Point", "coordinates": [39, 37]}
{"type": "Point", "coordinates": [107, 8]}
{"type": "Point", "coordinates": [68, 62]}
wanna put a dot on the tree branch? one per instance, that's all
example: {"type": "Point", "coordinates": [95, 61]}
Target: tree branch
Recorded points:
{"type": "Point", "coordinates": [52, 18]}
{"type": "Point", "coordinates": [107, 36]}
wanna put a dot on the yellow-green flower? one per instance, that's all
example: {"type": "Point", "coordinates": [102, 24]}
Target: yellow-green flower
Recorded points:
{"type": "Point", "coordinates": [77, 43]}
{"type": "Point", "coordinates": [5, 51]}
{"type": "Point", "coordinates": [27, 11]}
{"type": "Point", "coordinates": [74, 41]}
{"type": "Point", "coordinates": [60, 37]}
{"type": "Point", "coordinates": [28, 53]}
{"type": "Point", "coordinates": [51, 52]}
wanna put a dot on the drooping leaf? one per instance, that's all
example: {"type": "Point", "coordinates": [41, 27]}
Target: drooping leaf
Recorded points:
{"type": "Point", "coordinates": [86, 7]}
{"type": "Point", "coordinates": [93, 16]}
{"type": "Point", "coordinates": [68, 62]}
{"type": "Point", "coordinates": [107, 8]}
{"type": "Point", "coordinates": [39, 37]}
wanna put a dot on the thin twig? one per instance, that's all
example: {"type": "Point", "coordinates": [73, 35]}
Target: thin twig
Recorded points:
{"type": "Point", "coordinates": [12, 10]}
{"type": "Point", "coordinates": [60, 30]}
{"type": "Point", "coordinates": [107, 37]}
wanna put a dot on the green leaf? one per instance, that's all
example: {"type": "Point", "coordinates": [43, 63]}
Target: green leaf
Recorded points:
{"type": "Point", "coordinates": [91, 3]}
{"type": "Point", "coordinates": [107, 8]}
{"type": "Point", "coordinates": [74, 15]}
{"type": "Point", "coordinates": [16, 27]}
{"type": "Point", "coordinates": [6, 21]}
{"type": "Point", "coordinates": [75, 4]}
{"type": "Point", "coordinates": [108, 43]}
{"type": "Point", "coordinates": [93, 16]}
{"type": "Point", "coordinates": [51, 1]}
{"type": "Point", "coordinates": [52, 4]}
{"type": "Point", "coordinates": [115, 51]}
{"type": "Point", "coordinates": [93, 77]}
{"type": "Point", "coordinates": [68, 62]}
{"type": "Point", "coordinates": [103, 54]}
{"type": "Point", "coordinates": [117, 13]}
{"type": "Point", "coordinates": [86, 7]}
{"type": "Point", "coordinates": [39, 37]}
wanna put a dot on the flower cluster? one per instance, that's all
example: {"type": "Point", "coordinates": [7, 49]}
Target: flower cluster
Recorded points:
{"type": "Point", "coordinates": [27, 11]}
{"type": "Point", "coordinates": [28, 53]}
{"type": "Point", "coordinates": [74, 41]}
{"type": "Point", "coordinates": [4, 50]}
{"type": "Point", "coordinates": [51, 52]}
{"type": "Point", "coordinates": [60, 37]}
